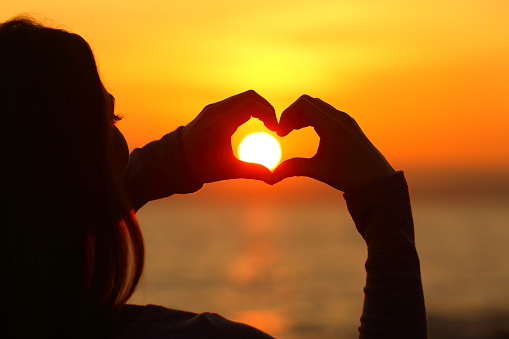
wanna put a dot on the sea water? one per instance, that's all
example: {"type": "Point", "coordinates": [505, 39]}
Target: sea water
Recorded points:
{"type": "Point", "coordinates": [295, 269]}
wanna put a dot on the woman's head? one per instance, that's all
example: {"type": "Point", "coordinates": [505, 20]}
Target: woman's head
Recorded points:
{"type": "Point", "coordinates": [72, 248]}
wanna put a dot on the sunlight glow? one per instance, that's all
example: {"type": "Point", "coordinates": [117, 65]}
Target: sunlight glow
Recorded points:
{"type": "Point", "coordinates": [440, 63]}
{"type": "Point", "coordinates": [260, 148]}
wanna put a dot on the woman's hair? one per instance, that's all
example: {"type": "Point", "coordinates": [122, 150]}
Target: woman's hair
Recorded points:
{"type": "Point", "coordinates": [71, 250]}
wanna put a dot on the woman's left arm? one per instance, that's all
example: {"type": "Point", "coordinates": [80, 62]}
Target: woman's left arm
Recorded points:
{"type": "Point", "coordinates": [198, 153]}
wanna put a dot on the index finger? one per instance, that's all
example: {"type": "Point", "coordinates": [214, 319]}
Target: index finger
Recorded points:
{"type": "Point", "coordinates": [303, 113]}
{"type": "Point", "coordinates": [334, 112]}
{"type": "Point", "coordinates": [241, 113]}
{"type": "Point", "coordinates": [230, 106]}
{"type": "Point", "coordinates": [237, 99]}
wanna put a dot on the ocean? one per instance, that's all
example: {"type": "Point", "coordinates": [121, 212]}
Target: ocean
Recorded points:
{"type": "Point", "coordinates": [295, 268]}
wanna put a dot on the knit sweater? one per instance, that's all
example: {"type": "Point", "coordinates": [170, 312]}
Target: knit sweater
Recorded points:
{"type": "Point", "coordinates": [393, 303]}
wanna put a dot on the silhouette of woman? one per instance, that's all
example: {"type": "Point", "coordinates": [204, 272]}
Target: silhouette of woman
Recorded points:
{"type": "Point", "coordinates": [72, 252]}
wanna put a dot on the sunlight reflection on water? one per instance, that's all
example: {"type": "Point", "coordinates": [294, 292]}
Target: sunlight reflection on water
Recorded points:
{"type": "Point", "coordinates": [296, 270]}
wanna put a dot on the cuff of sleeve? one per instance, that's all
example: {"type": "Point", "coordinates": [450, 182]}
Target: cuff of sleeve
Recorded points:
{"type": "Point", "coordinates": [158, 170]}
{"type": "Point", "coordinates": [188, 182]}
{"type": "Point", "coordinates": [380, 195]}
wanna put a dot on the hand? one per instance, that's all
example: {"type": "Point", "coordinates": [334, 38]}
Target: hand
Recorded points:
{"type": "Point", "coordinates": [206, 141]}
{"type": "Point", "coordinates": [345, 159]}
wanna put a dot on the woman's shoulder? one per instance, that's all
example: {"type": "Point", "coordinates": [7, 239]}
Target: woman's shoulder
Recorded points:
{"type": "Point", "coordinates": [158, 322]}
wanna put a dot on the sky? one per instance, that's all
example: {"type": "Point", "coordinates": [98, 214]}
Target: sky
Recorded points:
{"type": "Point", "coordinates": [427, 81]}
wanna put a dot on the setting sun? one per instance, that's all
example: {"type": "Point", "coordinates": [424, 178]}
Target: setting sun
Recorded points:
{"type": "Point", "coordinates": [261, 148]}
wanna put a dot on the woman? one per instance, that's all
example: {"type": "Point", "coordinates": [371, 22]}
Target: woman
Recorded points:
{"type": "Point", "coordinates": [73, 253]}
{"type": "Point", "coordinates": [73, 250]}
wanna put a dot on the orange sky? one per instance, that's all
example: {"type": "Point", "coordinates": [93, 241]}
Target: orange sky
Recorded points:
{"type": "Point", "coordinates": [428, 81]}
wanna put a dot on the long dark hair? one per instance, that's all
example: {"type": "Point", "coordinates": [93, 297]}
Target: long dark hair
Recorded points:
{"type": "Point", "coordinates": [71, 250]}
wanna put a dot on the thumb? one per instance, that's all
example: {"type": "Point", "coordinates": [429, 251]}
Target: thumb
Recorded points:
{"type": "Point", "coordinates": [251, 170]}
{"type": "Point", "coordinates": [292, 168]}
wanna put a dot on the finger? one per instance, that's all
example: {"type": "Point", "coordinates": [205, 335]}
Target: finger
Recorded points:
{"type": "Point", "coordinates": [302, 113]}
{"type": "Point", "coordinates": [293, 168]}
{"type": "Point", "coordinates": [241, 113]}
{"type": "Point", "coordinates": [331, 110]}
{"type": "Point", "coordinates": [233, 101]}
{"type": "Point", "coordinates": [250, 170]}
{"type": "Point", "coordinates": [326, 106]}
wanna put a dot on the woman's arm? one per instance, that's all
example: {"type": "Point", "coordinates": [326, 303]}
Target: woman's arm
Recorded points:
{"type": "Point", "coordinates": [158, 170]}
{"type": "Point", "coordinates": [377, 198]}
{"type": "Point", "coordinates": [394, 300]}
{"type": "Point", "coordinates": [198, 153]}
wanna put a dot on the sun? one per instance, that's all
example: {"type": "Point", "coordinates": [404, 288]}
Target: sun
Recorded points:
{"type": "Point", "coordinates": [261, 148]}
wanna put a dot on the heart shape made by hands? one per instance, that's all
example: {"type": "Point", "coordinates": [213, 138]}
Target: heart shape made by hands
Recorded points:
{"type": "Point", "coordinates": [301, 143]}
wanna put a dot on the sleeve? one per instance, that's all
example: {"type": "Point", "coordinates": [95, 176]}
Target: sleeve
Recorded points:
{"type": "Point", "coordinates": [393, 296]}
{"type": "Point", "coordinates": [158, 170]}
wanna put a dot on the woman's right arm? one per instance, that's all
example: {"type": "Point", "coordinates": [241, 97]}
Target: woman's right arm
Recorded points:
{"type": "Point", "coordinates": [393, 295]}
{"type": "Point", "coordinates": [377, 198]}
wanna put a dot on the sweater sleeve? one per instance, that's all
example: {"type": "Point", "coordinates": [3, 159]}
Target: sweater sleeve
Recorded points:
{"type": "Point", "coordinates": [158, 170]}
{"type": "Point", "coordinates": [393, 295]}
